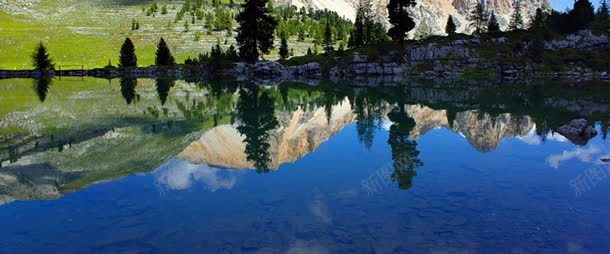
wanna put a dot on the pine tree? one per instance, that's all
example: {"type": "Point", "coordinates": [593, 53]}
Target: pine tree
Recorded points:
{"type": "Point", "coordinates": [128, 56]}
{"type": "Point", "coordinates": [539, 21]}
{"type": "Point", "coordinates": [284, 53]}
{"type": "Point", "coordinates": [582, 14]}
{"type": "Point", "coordinates": [602, 12]}
{"type": "Point", "coordinates": [328, 39]}
{"type": "Point", "coordinates": [400, 20]}
{"type": "Point", "coordinates": [450, 27]}
{"type": "Point", "coordinates": [493, 26]}
{"type": "Point", "coordinates": [516, 21]}
{"type": "Point", "coordinates": [377, 34]}
{"type": "Point", "coordinates": [41, 59]}
{"type": "Point", "coordinates": [478, 18]}
{"type": "Point", "coordinates": [358, 35]}
{"type": "Point", "coordinates": [164, 55]}
{"type": "Point", "coordinates": [256, 29]}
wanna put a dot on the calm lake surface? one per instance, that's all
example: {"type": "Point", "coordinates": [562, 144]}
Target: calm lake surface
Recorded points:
{"type": "Point", "coordinates": [174, 166]}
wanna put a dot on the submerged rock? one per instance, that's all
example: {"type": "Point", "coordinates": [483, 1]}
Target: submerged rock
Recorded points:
{"type": "Point", "coordinates": [578, 131]}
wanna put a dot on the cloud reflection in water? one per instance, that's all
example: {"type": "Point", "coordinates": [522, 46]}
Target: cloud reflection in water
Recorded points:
{"type": "Point", "coordinates": [180, 175]}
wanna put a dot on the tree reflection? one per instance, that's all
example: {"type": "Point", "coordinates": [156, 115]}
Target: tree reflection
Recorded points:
{"type": "Point", "coordinates": [404, 150]}
{"type": "Point", "coordinates": [164, 85]}
{"type": "Point", "coordinates": [128, 89]}
{"type": "Point", "coordinates": [256, 114]}
{"type": "Point", "coordinates": [368, 115]}
{"type": "Point", "coordinates": [41, 87]}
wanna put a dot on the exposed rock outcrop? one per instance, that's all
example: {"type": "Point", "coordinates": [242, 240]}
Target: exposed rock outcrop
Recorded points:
{"type": "Point", "coordinates": [580, 40]}
{"type": "Point", "coordinates": [578, 131]}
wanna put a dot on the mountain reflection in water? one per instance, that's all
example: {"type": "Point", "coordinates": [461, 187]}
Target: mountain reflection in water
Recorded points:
{"type": "Point", "coordinates": [208, 166]}
{"type": "Point", "coordinates": [85, 135]}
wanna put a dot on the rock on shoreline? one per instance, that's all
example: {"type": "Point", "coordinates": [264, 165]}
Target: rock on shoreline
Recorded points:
{"type": "Point", "coordinates": [578, 131]}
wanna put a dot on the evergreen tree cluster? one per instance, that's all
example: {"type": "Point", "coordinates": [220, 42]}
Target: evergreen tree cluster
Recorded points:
{"type": "Point", "coordinates": [320, 26]}
{"type": "Point", "coordinates": [216, 59]}
{"type": "Point", "coordinates": [129, 59]}
{"type": "Point", "coordinates": [582, 16]}
{"type": "Point", "coordinates": [367, 29]}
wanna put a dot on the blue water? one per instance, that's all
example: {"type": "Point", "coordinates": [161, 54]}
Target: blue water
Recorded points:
{"type": "Point", "coordinates": [518, 198]}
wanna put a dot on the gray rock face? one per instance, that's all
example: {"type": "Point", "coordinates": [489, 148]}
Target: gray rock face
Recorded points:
{"type": "Point", "coordinates": [578, 131]}
{"type": "Point", "coordinates": [240, 68]}
{"type": "Point", "coordinates": [579, 40]}
{"type": "Point", "coordinates": [305, 70]}
{"type": "Point", "coordinates": [434, 52]}
{"type": "Point", "coordinates": [268, 69]}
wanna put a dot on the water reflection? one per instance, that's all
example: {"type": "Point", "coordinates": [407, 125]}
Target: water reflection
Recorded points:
{"type": "Point", "coordinates": [163, 87]}
{"type": "Point", "coordinates": [404, 150]}
{"type": "Point", "coordinates": [41, 87]}
{"type": "Point", "coordinates": [240, 125]}
{"type": "Point", "coordinates": [179, 175]}
{"type": "Point", "coordinates": [469, 157]}
{"type": "Point", "coordinates": [128, 89]}
{"type": "Point", "coordinates": [368, 110]}
{"type": "Point", "coordinates": [256, 114]}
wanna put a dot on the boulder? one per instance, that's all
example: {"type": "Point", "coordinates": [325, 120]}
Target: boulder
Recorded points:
{"type": "Point", "coordinates": [268, 69]}
{"type": "Point", "coordinates": [357, 59]}
{"type": "Point", "coordinates": [309, 70]}
{"type": "Point", "coordinates": [240, 67]}
{"type": "Point", "coordinates": [578, 131]}
{"type": "Point", "coordinates": [392, 69]}
{"type": "Point", "coordinates": [359, 68]}
{"type": "Point", "coordinates": [374, 69]}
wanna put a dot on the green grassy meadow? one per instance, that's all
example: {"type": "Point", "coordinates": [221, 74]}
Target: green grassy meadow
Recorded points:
{"type": "Point", "coordinates": [90, 32]}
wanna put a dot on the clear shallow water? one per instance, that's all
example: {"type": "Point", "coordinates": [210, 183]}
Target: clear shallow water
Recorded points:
{"type": "Point", "coordinates": [459, 169]}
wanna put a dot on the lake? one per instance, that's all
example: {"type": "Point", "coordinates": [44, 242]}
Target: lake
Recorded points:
{"type": "Point", "coordinates": [207, 166]}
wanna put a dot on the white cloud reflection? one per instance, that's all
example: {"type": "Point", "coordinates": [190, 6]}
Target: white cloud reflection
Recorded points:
{"type": "Point", "coordinates": [319, 210]}
{"type": "Point", "coordinates": [180, 175]}
{"type": "Point", "coordinates": [582, 154]}
{"type": "Point", "coordinates": [532, 137]}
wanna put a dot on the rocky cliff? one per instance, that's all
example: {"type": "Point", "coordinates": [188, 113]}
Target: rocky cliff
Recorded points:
{"type": "Point", "coordinates": [302, 132]}
{"type": "Point", "coordinates": [299, 132]}
{"type": "Point", "coordinates": [482, 130]}
{"type": "Point", "coordinates": [431, 15]}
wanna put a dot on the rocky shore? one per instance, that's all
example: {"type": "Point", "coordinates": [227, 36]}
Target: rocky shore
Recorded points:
{"type": "Point", "coordinates": [457, 58]}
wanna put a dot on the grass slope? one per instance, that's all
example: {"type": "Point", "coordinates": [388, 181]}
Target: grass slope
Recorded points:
{"type": "Point", "coordinates": [90, 32]}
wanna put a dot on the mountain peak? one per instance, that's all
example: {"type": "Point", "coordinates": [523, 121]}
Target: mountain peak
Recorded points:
{"type": "Point", "coordinates": [431, 15]}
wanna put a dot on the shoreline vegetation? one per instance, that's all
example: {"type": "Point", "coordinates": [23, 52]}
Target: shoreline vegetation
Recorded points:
{"type": "Point", "coordinates": [563, 44]}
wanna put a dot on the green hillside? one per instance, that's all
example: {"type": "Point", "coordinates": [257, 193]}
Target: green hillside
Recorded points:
{"type": "Point", "coordinates": [90, 32]}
